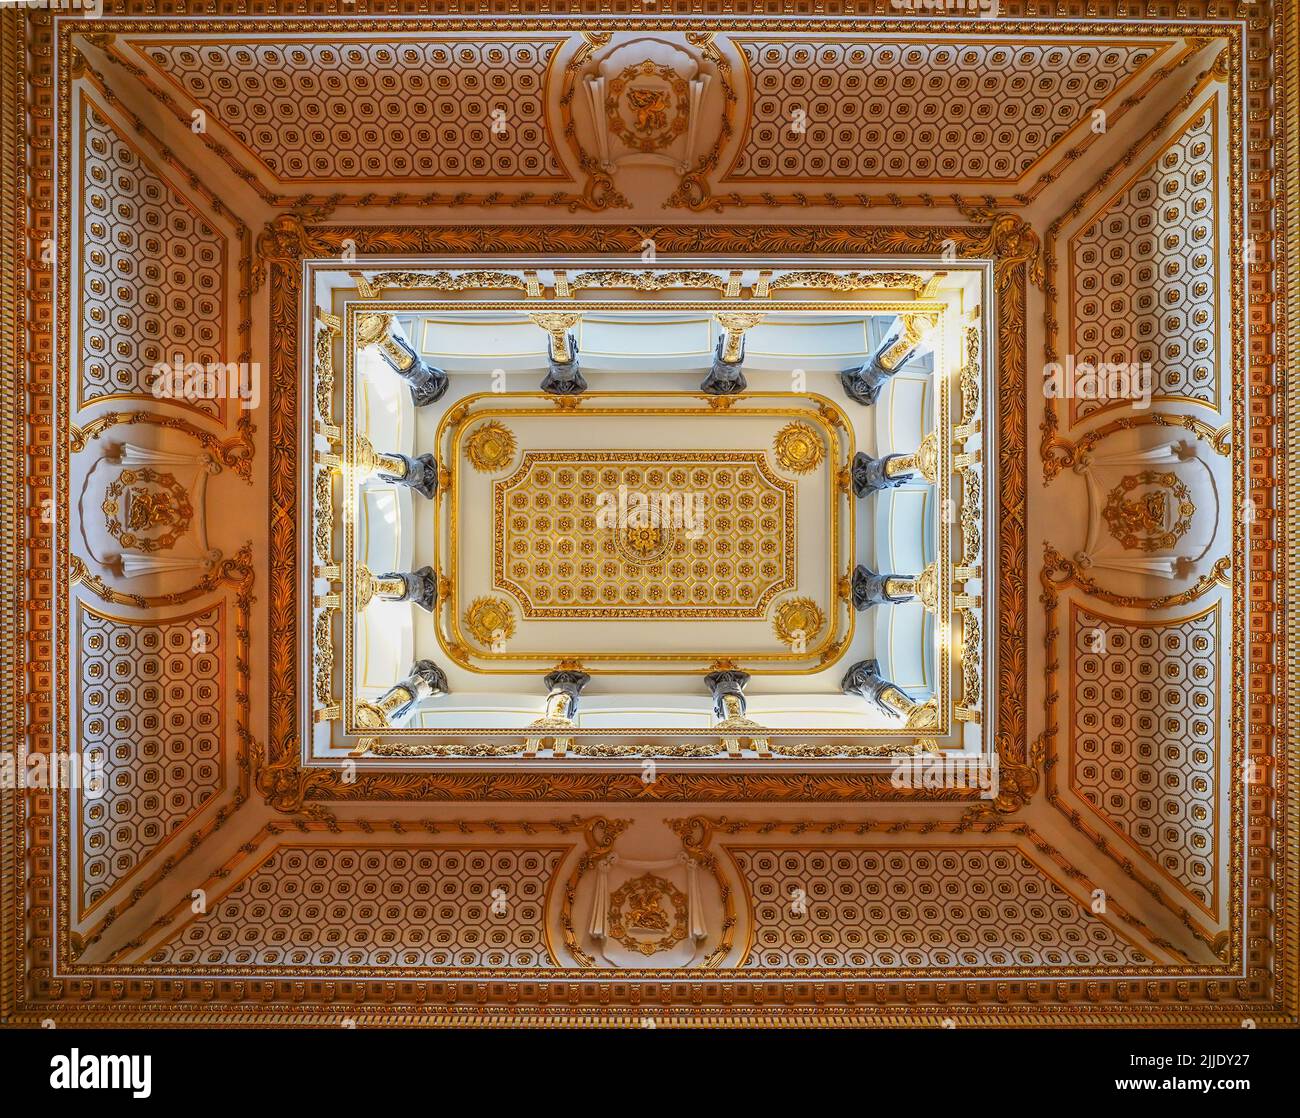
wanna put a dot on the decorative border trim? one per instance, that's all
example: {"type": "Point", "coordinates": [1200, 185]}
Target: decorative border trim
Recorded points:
{"type": "Point", "coordinates": [289, 241]}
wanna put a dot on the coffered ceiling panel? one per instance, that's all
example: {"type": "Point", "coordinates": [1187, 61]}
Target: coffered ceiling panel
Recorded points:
{"type": "Point", "coordinates": [156, 712]}
{"type": "Point", "coordinates": [377, 907]}
{"type": "Point", "coordinates": [1145, 750]}
{"type": "Point", "coordinates": [366, 109]}
{"type": "Point", "coordinates": [1145, 269]}
{"type": "Point", "coordinates": [287, 633]}
{"type": "Point", "coordinates": [153, 269]}
{"type": "Point", "coordinates": [920, 111]}
{"type": "Point", "coordinates": [918, 909]}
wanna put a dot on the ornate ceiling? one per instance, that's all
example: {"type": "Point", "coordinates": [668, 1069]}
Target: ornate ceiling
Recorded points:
{"type": "Point", "coordinates": [1092, 823]}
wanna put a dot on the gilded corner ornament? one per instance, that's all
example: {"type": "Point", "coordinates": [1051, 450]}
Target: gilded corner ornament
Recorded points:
{"type": "Point", "coordinates": [490, 620]}
{"type": "Point", "coordinates": [798, 448]}
{"type": "Point", "coordinates": [798, 620]}
{"type": "Point", "coordinates": [490, 447]}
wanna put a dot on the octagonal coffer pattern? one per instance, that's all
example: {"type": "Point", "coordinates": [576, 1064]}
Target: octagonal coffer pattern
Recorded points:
{"type": "Point", "coordinates": [898, 111]}
{"type": "Point", "coordinates": [151, 710]}
{"type": "Point", "coordinates": [1144, 269]}
{"type": "Point", "coordinates": [559, 548]}
{"type": "Point", "coordinates": [436, 109]}
{"type": "Point", "coordinates": [152, 272]}
{"type": "Point", "coordinates": [887, 909]}
{"type": "Point", "coordinates": [1145, 738]}
{"type": "Point", "coordinates": [386, 906]}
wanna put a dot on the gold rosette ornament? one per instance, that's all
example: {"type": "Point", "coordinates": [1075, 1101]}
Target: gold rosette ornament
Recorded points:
{"type": "Point", "coordinates": [798, 620]}
{"type": "Point", "coordinates": [490, 446]}
{"type": "Point", "coordinates": [489, 620]}
{"type": "Point", "coordinates": [798, 449]}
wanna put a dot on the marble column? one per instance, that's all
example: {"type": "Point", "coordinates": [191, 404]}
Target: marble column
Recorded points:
{"type": "Point", "coordinates": [871, 589]}
{"type": "Point", "coordinates": [871, 475]}
{"type": "Point", "coordinates": [394, 705]}
{"type": "Point", "coordinates": [728, 690]}
{"type": "Point", "coordinates": [905, 339]}
{"type": "Point", "coordinates": [427, 383]}
{"type": "Point", "coordinates": [418, 587]}
{"type": "Point", "coordinates": [563, 377]}
{"type": "Point", "coordinates": [563, 688]}
{"type": "Point", "coordinates": [864, 679]}
{"type": "Point", "coordinates": [419, 473]}
{"type": "Point", "coordinates": [725, 377]}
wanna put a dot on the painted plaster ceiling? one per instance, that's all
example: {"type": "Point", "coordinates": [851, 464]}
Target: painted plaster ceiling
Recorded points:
{"type": "Point", "coordinates": [1072, 190]}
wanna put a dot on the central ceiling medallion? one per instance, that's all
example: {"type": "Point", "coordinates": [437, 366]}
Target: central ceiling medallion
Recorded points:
{"type": "Point", "coordinates": [687, 530]}
{"type": "Point", "coordinates": [643, 543]}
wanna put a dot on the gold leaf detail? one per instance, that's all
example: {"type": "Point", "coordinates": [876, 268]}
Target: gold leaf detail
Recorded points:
{"type": "Point", "coordinates": [489, 619]}
{"type": "Point", "coordinates": [798, 448]}
{"type": "Point", "coordinates": [799, 619]}
{"type": "Point", "coordinates": [490, 447]}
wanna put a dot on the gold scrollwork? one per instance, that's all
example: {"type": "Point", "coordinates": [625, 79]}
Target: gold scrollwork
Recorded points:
{"type": "Point", "coordinates": [1060, 452]}
{"type": "Point", "coordinates": [968, 376]}
{"type": "Point", "coordinates": [1063, 572]}
{"type": "Point", "coordinates": [324, 373]}
{"type": "Point", "coordinates": [323, 493]}
{"type": "Point", "coordinates": [235, 453]}
{"type": "Point", "coordinates": [324, 641]}
{"type": "Point", "coordinates": [848, 281]}
{"type": "Point", "coordinates": [448, 281]}
{"type": "Point", "coordinates": [650, 281]}
{"type": "Point", "coordinates": [971, 639]}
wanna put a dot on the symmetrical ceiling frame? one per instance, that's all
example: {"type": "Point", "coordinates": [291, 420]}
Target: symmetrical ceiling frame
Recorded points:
{"type": "Point", "coordinates": [121, 967]}
{"type": "Point", "coordinates": [972, 523]}
{"type": "Point", "coordinates": [289, 260]}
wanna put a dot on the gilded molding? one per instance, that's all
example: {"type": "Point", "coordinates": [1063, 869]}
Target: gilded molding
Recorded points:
{"type": "Point", "coordinates": [287, 787]}
{"type": "Point", "coordinates": [235, 453]}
